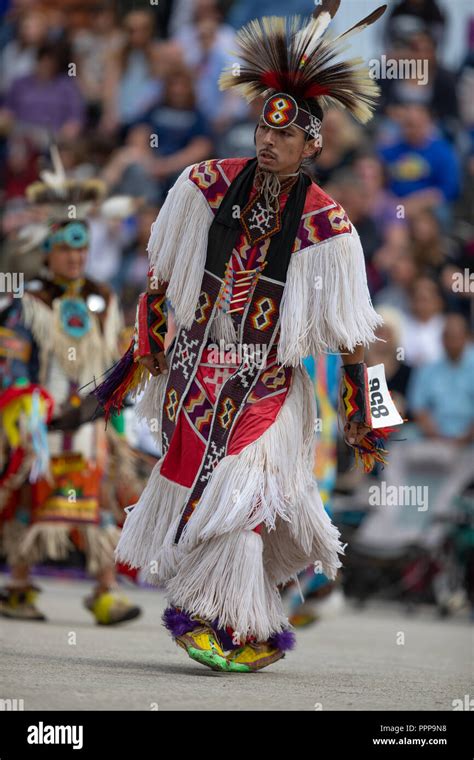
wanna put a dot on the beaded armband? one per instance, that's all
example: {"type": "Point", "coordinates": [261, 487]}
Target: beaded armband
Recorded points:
{"type": "Point", "coordinates": [371, 449]}
{"type": "Point", "coordinates": [151, 324]}
{"type": "Point", "coordinates": [355, 393]}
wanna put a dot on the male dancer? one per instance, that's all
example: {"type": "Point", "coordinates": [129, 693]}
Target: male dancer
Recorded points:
{"type": "Point", "coordinates": [262, 268]}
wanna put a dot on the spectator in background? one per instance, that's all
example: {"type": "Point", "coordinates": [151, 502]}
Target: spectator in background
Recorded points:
{"type": "Point", "coordinates": [130, 85]}
{"type": "Point", "coordinates": [426, 12]}
{"type": "Point", "coordinates": [401, 272]}
{"type": "Point", "coordinates": [382, 205]}
{"type": "Point", "coordinates": [188, 34]}
{"type": "Point", "coordinates": [182, 132]}
{"type": "Point", "coordinates": [442, 394]}
{"type": "Point", "coordinates": [169, 57]}
{"type": "Point", "coordinates": [464, 211]}
{"type": "Point", "coordinates": [21, 168]}
{"type": "Point", "coordinates": [134, 265]}
{"type": "Point", "coordinates": [222, 108]}
{"type": "Point", "coordinates": [239, 139]}
{"type": "Point", "coordinates": [389, 352]}
{"type": "Point", "coordinates": [347, 189]}
{"type": "Point", "coordinates": [341, 139]}
{"type": "Point", "coordinates": [77, 158]}
{"type": "Point", "coordinates": [130, 169]}
{"type": "Point", "coordinates": [438, 256]}
{"type": "Point", "coordinates": [15, 11]}
{"type": "Point", "coordinates": [466, 85]}
{"type": "Point", "coordinates": [437, 87]}
{"type": "Point", "coordinates": [383, 208]}
{"type": "Point", "coordinates": [109, 238]}
{"type": "Point", "coordinates": [431, 249]}
{"type": "Point", "coordinates": [423, 327]}
{"type": "Point", "coordinates": [207, 45]}
{"type": "Point", "coordinates": [423, 167]}
{"type": "Point", "coordinates": [18, 58]}
{"type": "Point", "coordinates": [463, 229]}
{"type": "Point", "coordinates": [48, 99]}
{"type": "Point", "coordinates": [435, 254]}
{"type": "Point", "coordinates": [94, 46]}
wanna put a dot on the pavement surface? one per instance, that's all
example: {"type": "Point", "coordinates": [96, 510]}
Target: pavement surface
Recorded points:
{"type": "Point", "coordinates": [375, 659]}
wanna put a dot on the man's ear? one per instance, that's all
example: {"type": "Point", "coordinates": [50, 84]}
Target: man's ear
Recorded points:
{"type": "Point", "coordinates": [312, 149]}
{"type": "Point", "coordinates": [309, 148]}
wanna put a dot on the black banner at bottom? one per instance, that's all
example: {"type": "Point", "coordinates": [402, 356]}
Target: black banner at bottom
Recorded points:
{"type": "Point", "coordinates": [124, 734]}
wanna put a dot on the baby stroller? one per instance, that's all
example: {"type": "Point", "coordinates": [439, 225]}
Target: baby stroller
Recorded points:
{"type": "Point", "coordinates": [408, 547]}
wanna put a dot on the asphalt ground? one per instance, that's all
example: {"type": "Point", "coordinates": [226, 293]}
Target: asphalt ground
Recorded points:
{"type": "Point", "coordinates": [376, 659]}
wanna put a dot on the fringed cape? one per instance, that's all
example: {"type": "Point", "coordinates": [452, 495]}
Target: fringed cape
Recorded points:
{"type": "Point", "coordinates": [326, 304]}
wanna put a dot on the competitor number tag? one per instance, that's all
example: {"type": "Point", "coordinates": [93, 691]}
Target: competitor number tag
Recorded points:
{"type": "Point", "coordinates": [382, 409]}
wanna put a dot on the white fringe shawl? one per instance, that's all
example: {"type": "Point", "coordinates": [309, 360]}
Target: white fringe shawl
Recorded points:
{"type": "Point", "coordinates": [326, 305]}
{"type": "Point", "coordinates": [177, 253]}
{"type": "Point", "coordinates": [150, 404]}
{"type": "Point", "coordinates": [178, 245]}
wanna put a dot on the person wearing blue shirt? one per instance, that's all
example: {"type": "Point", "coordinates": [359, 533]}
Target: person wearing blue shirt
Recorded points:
{"type": "Point", "coordinates": [441, 395]}
{"type": "Point", "coordinates": [183, 133]}
{"type": "Point", "coordinates": [422, 166]}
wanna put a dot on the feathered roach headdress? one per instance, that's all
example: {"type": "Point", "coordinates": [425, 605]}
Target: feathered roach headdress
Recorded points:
{"type": "Point", "coordinates": [56, 193]}
{"type": "Point", "coordinates": [65, 205]}
{"type": "Point", "coordinates": [289, 60]}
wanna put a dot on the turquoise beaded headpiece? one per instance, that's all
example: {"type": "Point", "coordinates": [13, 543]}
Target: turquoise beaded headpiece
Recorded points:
{"type": "Point", "coordinates": [74, 234]}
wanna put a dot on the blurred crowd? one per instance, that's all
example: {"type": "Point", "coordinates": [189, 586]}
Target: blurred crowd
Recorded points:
{"type": "Point", "coordinates": [129, 92]}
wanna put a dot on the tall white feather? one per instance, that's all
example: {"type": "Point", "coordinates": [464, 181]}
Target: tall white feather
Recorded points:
{"type": "Point", "coordinates": [57, 177]}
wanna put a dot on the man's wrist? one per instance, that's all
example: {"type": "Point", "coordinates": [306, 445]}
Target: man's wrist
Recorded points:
{"type": "Point", "coordinates": [151, 324]}
{"type": "Point", "coordinates": [355, 393]}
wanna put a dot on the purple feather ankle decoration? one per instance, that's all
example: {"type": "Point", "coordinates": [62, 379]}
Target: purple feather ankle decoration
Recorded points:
{"type": "Point", "coordinates": [178, 622]}
{"type": "Point", "coordinates": [283, 640]}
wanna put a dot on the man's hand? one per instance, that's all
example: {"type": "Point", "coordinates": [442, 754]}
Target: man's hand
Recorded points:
{"type": "Point", "coordinates": [355, 431]}
{"type": "Point", "coordinates": [155, 363]}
